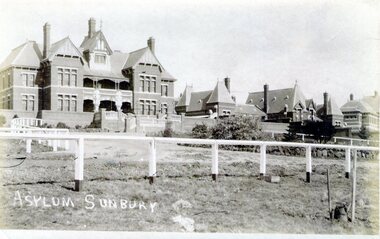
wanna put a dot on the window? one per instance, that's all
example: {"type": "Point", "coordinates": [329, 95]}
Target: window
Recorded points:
{"type": "Point", "coordinates": [147, 103]}
{"type": "Point", "coordinates": [60, 103]}
{"type": "Point", "coordinates": [24, 102]}
{"type": "Point", "coordinates": [154, 107]}
{"type": "Point", "coordinates": [74, 77]}
{"type": "Point", "coordinates": [148, 83]}
{"type": "Point", "coordinates": [73, 106]}
{"type": "Point", "coordinates": [100, 58]}
{"type": "Point", "coordinates": [24, 78]}
{"type": "Point", "coordinates": [141, 85]}
{"type": "Point", "coordinates": [154, 84]}
{"type": "Point", "coordinates": [60, 76]}
{"type": "Point", "coordinates": [67, 103]}
{"type": "Point", "coordinates": [164, 108]}
{"type": "Point", "coordinates": [164, 90]}
{"type": "Point", "coordinates": [28, 79]}
{"type": "Point", "coordinates": [141, 107]}
{"type": "Point", "coordinates": [9, 80]}
{"type": "Point", "coordinates": [31, 103]}
{"type": "Point", "coordinates": [9, 102]}
{"type": "Point", "coordinates": [66, 78]}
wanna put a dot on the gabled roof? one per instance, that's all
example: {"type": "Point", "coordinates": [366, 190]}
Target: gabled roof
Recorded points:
{"type": "Point", "coordinates": [310, 104]}
{"type": "Point", "coordinates": [220, 94]}
{"type": "Point", "coordinates": [63, 47]}
{"type": "Point", "coordinates": [278, 99]}
{"type": "Point", "coordinates": [26, 55]}
{"type": "Point", "coordinates": [145, 55]}
{"type": "Point", "coordinates": [117, 60]}
{"type": "Point", "coordinates": [248, 109]}
{"type": "Point", "coordinates": [90, 43]}
{"type": "Point", "coordinates": [199, 100]}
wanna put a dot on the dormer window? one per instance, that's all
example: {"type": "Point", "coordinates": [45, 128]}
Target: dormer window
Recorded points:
{"type": "Point", "coordinates": [100, 58]}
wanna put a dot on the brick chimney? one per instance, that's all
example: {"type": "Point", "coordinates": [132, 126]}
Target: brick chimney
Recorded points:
{"type": "Point", "coordinates": [351, 97]}
{"type": "Point", "coordinates": [91, 27]}
{"type": "Point", "coordinates": [266, 103]}
{"type": "Point", "coordinates": [46, 45]}
{"type": "Point", "coordinates": [151, 44]}
{"type": "Point", "coordinates": [325, 103]}
{"type": "Point", "coordinates": [227, 83]}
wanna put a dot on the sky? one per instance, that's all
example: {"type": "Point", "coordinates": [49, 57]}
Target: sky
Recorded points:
{"type": "Point", "coordinates": [324, 46]}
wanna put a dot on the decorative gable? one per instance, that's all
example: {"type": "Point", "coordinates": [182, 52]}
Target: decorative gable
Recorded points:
{"type": "Point", "coordinates": [65, 47]}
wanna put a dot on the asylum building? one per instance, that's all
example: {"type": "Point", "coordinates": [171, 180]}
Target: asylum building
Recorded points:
{"type": "Point", "coordinates": [213, 103]}
{"type": "Point", "coordinates": [61, 82]}
{"type": "Point", "coordinates": [283, 105]}
{"type": "Point", "coordinates": [362, 113]}
{"type": "Point", "coordinates": [330, 112]}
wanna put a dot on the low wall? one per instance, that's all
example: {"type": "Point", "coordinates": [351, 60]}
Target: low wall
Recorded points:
{"type": "Point", "coordinates": [71, 119]}
{"type": "Point", "coordinates": [9, 114]}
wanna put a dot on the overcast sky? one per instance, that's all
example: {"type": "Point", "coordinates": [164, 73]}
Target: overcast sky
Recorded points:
{"type": "Point", "coordinates": [331, 46]}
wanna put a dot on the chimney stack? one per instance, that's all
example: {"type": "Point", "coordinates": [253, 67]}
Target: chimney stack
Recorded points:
{"type": "Point", "coordinates": [227, 82]}
{"type": "Point", "coordinates": [151, 44]}
{"type": "Point", "coordinates": [46, 46]}
{"type": "Point", "coordinates": [266, 107]}
{"type": "Point", "coordinates": [91, 27]}
{"type": "Point", "coordinates": [351, 97]}
{"type": "Point", "coordinates": [376, 93]}
{"type": "Point", "coordinates": [325, 103]}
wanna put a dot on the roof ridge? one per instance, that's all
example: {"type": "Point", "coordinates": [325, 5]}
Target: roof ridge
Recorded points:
{"type": "Point", "coordinates": [138, 50]}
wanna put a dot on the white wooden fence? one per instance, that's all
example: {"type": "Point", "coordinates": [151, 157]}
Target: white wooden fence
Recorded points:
{"type": "Point", "coordinates": [79, 150]}
{"type": "Point", "coordinates": [352, 140]}
{"type": "Point", "coordinates": [26, 122]}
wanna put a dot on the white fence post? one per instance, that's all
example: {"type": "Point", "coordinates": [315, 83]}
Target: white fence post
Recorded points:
{"type": "Point", "coordinates": [152, 161]}
{"type": "Point", "coordinates": [214, 167]}
{"type": "Point", "coordinates": [55, 141]}
{"type": "Point", "coordinates": [79, 164]}
{"type": "Point", "coordinates": [347, 165]}
{"type": "Point", "coordinates": [28, 146]}
{"type": "Point", "coordinates": [308, 163]}
{"type": "Point", "coordinates": [353, 189]}
{"type": "Point", "coordinates": [263, 159]}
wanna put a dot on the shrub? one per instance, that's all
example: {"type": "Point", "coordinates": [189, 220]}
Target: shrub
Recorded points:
{"type": "Point", "coordinates": [62, 125]}
{"type": "Point", "coordinates": [201, 131]}
{"type": "Point", "coordinates": [2, 120]}
{"type": "Point", "coordinates": [78, 126]}
{"type": "Point", "coordinates": [46, 125]}
{"type": "Point", "coordinates": [363, 133]}
{"type": "Point", "coordinates": [168, 132]}
{"type": "Point", "coordinates": [237, 128]}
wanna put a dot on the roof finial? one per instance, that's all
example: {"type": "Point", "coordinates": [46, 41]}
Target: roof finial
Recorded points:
{"type": "Point", "coordinates": [296, 82]}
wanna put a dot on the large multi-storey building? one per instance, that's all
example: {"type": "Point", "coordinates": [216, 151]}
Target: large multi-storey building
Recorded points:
{"type": "Point", "coordinates": [62, 82]}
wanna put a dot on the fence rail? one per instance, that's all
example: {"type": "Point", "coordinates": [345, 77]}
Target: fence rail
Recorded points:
{"type": "Point", "coordinates": [79, 140]}
{"type": "Point", "coordinates": [352, 140]}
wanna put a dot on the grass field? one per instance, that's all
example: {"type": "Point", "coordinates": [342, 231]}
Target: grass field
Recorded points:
{"type": "Point", "coordinates": [237, 202]}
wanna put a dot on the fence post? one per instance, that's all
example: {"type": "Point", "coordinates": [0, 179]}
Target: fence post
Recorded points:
{"type": "Point", "coordinates": [152, 161]}
{"type": "Point", "coordinates": [79, 164]}
{"type": "Point", "coordinates": [29, 144]}
{"type": "Point", "coordinates": [55, 141]}
{"type": "Point", "coordinates": [308, 163]}
{"type": "Point", "coordinates": [214, 167]}
{"type": "Point", "coordinates": [353, 187]}
{"type": "Point", "coordinates": [347, 165]}
{"type": "Point", "coordinates": [263, 159]}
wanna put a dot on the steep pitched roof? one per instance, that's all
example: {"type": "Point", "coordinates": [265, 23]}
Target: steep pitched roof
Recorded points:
{"type": "Point", "coordinates": [184, 100]}
{"type": "Point", "coordinates": [220, 94]}
{"type": "Point", "coordinates": [117, 61]}
{"type": "Point", "coordinates": [278, 99]}
{"type": "Point", "coordinates": [310, 104]}
{"type": "Point", "coordinates": [248, 109]}
{"type": "Point", "coordinates": [90, 43]}
{"type": "Point", "coordinates": [28, 54]}
{"type": "Point", "coordinates": [145, 55]}
{"type": "Point", "coordinates": [63, 47]}
{"type": "Point", "coordinates": [373, 101]}
{"type": "Point", "coordinates": [199, 100]}
{"type": "Point", "coordinates": [332, 108]}
{"type": "Point", "coordinates": [356, 106]}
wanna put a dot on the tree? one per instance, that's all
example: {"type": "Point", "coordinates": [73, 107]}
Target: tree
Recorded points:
{"type": "Point", "coordinates": [321, 131]}
{"type": "Point", "coordinates": [293, 129]}
{"type": "Point", "coordinates": [237, 128]}
{"type": "Point", "coordinates": [363, 133]}
{"type": "Point", "coordinates": [200, 131]}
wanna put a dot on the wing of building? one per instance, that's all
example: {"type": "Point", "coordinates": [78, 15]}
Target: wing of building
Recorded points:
{"type": "Point", "coordinates": [283, 105]}
{"type": "Point", "coordinates": [362, 113]}
{"type": "Point", "coordinates": [61, 81]}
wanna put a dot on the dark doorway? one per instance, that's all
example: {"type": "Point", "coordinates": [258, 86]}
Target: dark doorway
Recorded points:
{"type": "Point", "coordinates": [88, 106]}
{"type": "Point", "coordinates": [108, 105]}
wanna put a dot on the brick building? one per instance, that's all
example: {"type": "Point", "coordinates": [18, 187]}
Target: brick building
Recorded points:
{"type": "Point", "coordinates": [62, 82]}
